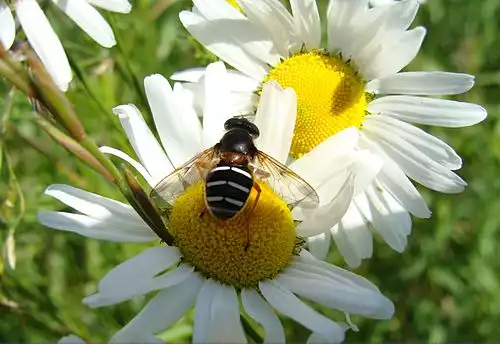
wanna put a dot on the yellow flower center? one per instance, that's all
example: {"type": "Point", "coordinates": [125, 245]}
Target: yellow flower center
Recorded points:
{"type": "Point", "coordinates": [330, 96]}
{"type": "Point", "coordinates": [256, 244]}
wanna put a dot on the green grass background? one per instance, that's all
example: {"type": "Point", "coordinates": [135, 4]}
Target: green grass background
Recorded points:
{"type": "Point", "coordinates": [446, 285]}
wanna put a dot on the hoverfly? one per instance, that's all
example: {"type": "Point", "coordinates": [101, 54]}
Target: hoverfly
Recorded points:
{"type": "Point", "coordinates": [229, 171]}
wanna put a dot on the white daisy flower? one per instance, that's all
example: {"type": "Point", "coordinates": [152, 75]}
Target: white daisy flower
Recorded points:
{"type": "Point", "coordinates": [44, 40]}
{"type": "Point", "coordinates": [211, 267]}
{"type": "Point", "coordinates": [354, 82]}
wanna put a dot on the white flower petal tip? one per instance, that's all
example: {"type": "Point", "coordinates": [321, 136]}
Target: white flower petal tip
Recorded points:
{"type": "Point", "coordinates": [118, 6]}
{"type": "Point", "coordinates": [189, 75]}
{"type": "Point", "coordinates": [132, 162]}
{"type": "Point", "coordinates": [44, 41]}
{"type": "Point", "coordinates": [275, 119]}
{"type": "Point", "coordinates": [283, 300]}
{"type": "Point", "coordinates": [140, 275]}
{"type": "Point", "coordinates": [7, 26]}
{"type": "Point", "coordinates": [89, 20]}
{"type": "Point", "coordinates": [422, 83]}
{"type": "Point", "coordinates": [176, 121]}
{"type": "Point", "coordinates": [122, 110]}
{"type": "Point", "coordinates": [335, 287]}
{"type": "Point", "coordinates": [155, 79]}
{"type": "Point", "coordinates": [71, 339]}
{"type": "Point", "coordinates": [429, 111]}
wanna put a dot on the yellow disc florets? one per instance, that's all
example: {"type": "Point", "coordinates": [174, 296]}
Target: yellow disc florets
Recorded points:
{"type": "Point", "coordinates": [330, 96]}
{"type": "Point", "coordinates": [254, 245]}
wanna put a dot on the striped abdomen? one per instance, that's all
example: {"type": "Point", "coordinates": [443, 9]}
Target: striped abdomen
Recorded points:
{"type": "Point", "coordinates": [227, 189]}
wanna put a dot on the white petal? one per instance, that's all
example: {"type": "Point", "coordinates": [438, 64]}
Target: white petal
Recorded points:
{"type": "Point", "coordinates": [440, 112]}
{"type": "Point", "coordinates": [389, 218]}
{"type": "Point", "coordinates": [307, 22]}
{"type": "Point", "coordinates": [217, 316]}
{"type": "Point", "coordinates": [213, 35]}
{"type": "Point", "coordinates": [141, 138]}
{"type": "Point", "coordinates": [320, 220]}
{"type": "Point", "coordinates": [167, 280]}
{"type": "Point", "coordinates": [345, 247]}
{"type": "Point", "coordinates": [288, 304]}
{"type": "Point", "coordinates": [140, 275]}
{"type": "Point", "coordinates": [275, 119]}
{"type": "Point", "coordinates": [93, 205]}
{"type": "Point", "coordinates": [326, 159]}
{"type": "Point", "coordinates": [429, 145]}
{"type": "Point", "coordinates": [382, 30]}
{"type": "Point", "coordinates": [305, 261]}
{"type": "Point", "coordinates": [177, 123]}
{"type": "Point", "coordinates": [89, 20]}
{"type": "Point", "coordinates": [342, 16]}
{"type": "Point", "coordinates": [202, 315]}
{"type": "Point", "coordinates": [413, 162]}
{"type": "Point", "coordinates": [120, 6]}
{"type": "Point", "coordinates": [216, 108]}
{"type": "Point", "coordinates": [267, 15]}
{"type": "Point", "coordinates": [110, 230]}
{"type": "Point", "coordinates": [44, 41]}
{"type": "Point", "coordinates": [239, 29]}
{"type": "Point", "coordinates": [423, 83]}
{"type": "Point", "coordinates": [316, 338]}
{"type": "Point", "coordinates": [71, 339]}
{"type": "Point", "coordinates": [237, 81]}
{"type": "Point", "coordinates": [143, 266]}
{"type": "Point", "coordinates": [7, 26]}
{"type": "Point", "coordinates": [319, 245]}
{"type": "Point", "coordinates": [281, 15]}
{"type": "Point", "coordinates": [161, 312]}
{"type": "Point", "coordinates": [335, 294]}
{"type": "Point", "coordinates": [395, 182]}
{"type": "Point", "coordinates": [135, 164]}
{"type": "Point", "coordinates": [225, 317]}
{"type": "Point", "coordinates": [261, 312]}
{"type": "Point", "coordinates": [367, 167]}
{"type": "Point", "coordinates": [353, 237]}
{"type": "Point", "coordinates": [394, 57]}
{"type": "Point", "coordinates": [217, 9]}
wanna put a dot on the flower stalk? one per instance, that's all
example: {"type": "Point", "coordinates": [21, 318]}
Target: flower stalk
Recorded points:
{"type": "Point", "coordinates": [141, 201]}
{"type": "Point", "coordinates": [72, 146]}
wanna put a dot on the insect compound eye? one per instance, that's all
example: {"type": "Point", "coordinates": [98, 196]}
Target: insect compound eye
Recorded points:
{"type": "Point", "coordinates": [242, 123]}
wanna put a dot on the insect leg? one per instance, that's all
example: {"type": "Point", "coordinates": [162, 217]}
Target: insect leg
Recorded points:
{"type": "Point", "coordinates": [258, 189]}
{"type": "Point", "coordinates": [203, 211]}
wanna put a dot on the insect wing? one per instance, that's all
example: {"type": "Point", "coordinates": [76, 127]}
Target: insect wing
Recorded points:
{"type": "Point", "coordinates": [172, 186]}
{"type": "Point", "coordinates": [294, 190]}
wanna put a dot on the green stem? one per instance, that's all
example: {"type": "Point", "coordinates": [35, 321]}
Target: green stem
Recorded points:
{"type": "Point", "coordinates": [250, 331]}
{"type": "Point", "coordinates": [14, 78]}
